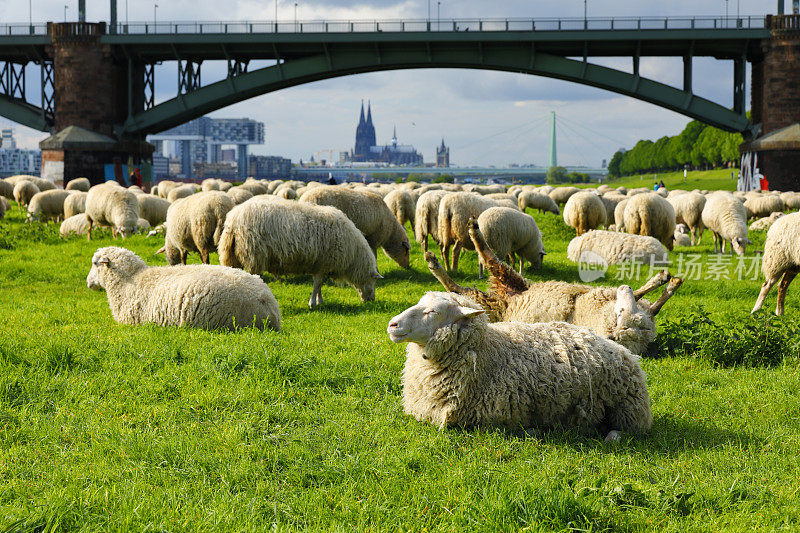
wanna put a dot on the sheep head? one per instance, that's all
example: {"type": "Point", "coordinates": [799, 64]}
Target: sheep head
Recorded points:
{"type": "Point", "coordinates": [739, 244]}
{"type": "Point", "coordinates": [634, 329]}
{"type": "Point", "coordinates": [112, 263]}
{"type": "Point", "coordinates": [435, 310]}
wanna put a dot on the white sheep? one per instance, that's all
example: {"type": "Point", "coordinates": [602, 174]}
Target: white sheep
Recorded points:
{"type": "Point", "coordinates": [163, 188]}
{"type": "Point", "coordinates": [650, 214]}
{"type": "Point", "coordinates": [152, 208]}
{"type": "Point", "coordinates": [402, 205]}
{"type": "Point", "coordinates": [24, 191]}
{"type": "Point", "coordinates": [75, 204]}
{"type": "Point", "coordinates": [689, 211]}
{"type": "Point", "coordinates": [194, 224]}
{"type": "Point", "coordinates": [238, 195]}
{"type": "Point", "coordinates": [512, 233]}
{"type": "Point", "coordinates": [781, 259]}
{"type": "Point", "coordinates": [726, 217]}
{"type": "Point", "coordinates": [455, 211]}
{"type": "Point", "coordinates": [74, 225]}
{"type": "Point", "coordinates": [763, 206]}
{"type": "Point", "coordinates": [6, 189]}
{"type": "Point", "coordinates": [461, 371]}
{"type": "Point", "coordinates": [615, 248]}
{"type": "Point", "coordinates": [111, 205]}
{"type": "Point", "coordinates": [619, 215]}
{"type": "Point", "coordinates": [48, 205]}
{"type": "Point", "coordinates": [764, 223]}
{"type": "Point", "coordinates": [537, 200]}
{"type": "Point", "coordinates": [284, 237]}
{"type": "Point", "coordinates": [584, 211]}
{"type": "Point", "coordinates": [78, 184]}
{"type": "Point", "coordinates": [560, 195]}
{"type": "Point", "coordinates": [610, 200]}
{"type": "Point", "coordinates": [182, 191]}
{"type": "Point", "coordinates": [200, 296]}
{"type": "Point", "coordinates": [426, 216]}
{"type": "Point", "coordinates": [791, 200]}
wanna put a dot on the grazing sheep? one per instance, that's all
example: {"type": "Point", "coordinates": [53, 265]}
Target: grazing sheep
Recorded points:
{"type": "Point", "coordinates": [41, 183]}
{"type": "Point", "coordinates": [584, 211]}
{"type": "Point", "coordinates": [619, 216]}
{"type": "Point", "coordinates": [285, 237]}
{"type": "Point", "coordinates": [370, 215]}
{"type": "Point", "coordinates": [781, 259]}
{"type": "Point", "coordinates": [286, 192]}
{"type": "Point", "coordinates": [537, 200]}
{"type": "Point", "coordinates": [402, 205]}
{"type": "Point", "coordinates": [200, 296]}
{"type": "Point", "coordinates": [681, 239]}
{"type": "Point", "coordinates": [253, 187]}
{"type": "Point", "coordinates": [689, 211]}
{"type": "Point", "coordinates": [622, 190]}
{"type": "Point", "coordinates": [48, 205]}
{"type": "Point", "coordinates": [455, 211]}
{"type": "Point", "coordinates": [650, 214]}
{"type": "Point", "coordinates": [210, 184]}
{"type": "Point", "coordinates": [111, 205]}
{"type": "Point", "coordinates": [75, 225]}
{"type": "Point", "coordinates": [511, 233]}
{"type": "Point", "coordinates": [638, 190]}
{"type": "Point", "coordinates": [239, 196]}
{"type": "Point", "coordinates": [610, 200]}
{"type": "Point", "coordinates": [726, 217]}
{"type": "Point", "coordinates": [763, 224]}
{"type": "Point", "coordinates": [6, 189]}
{"type": "Point", "coordinates": [153, 209]}
{"type": "Point", "coordinates": [560, 195]}
{"type": "Point", "coordinates": [4, 206]}
{"type": "Point", "coordinates": [24, 191]}
{"type": "Point", "coordinates": [163, 188]}
{"type": "Point", "coordinates": [791, 200]}
{"type": "Point", "coordinates": [462, 371]}
{"type": "Point", "coordinates": [78, 184]}
{"type": "Point", "coordinates": [194, 224]}
{"type": "Point", "coordinates": [426, 216]}
{"type": "Point", "coordinates": [763, 206]}
{"type": "Point", "coordinates": [615, 248]}
{"type": "Point", "coordinates": [142, 226]}
{"type": "Point", "coordinates": [183, 191]}
{"type": "Point", "coordinates": [135, 189]}
{"type": "Point", "coordinates": [512, 298]}
{"type": "Point", "coordinates": [603, 189]}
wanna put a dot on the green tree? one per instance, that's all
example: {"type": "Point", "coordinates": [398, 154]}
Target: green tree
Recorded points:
{"type": "Point", "coordinates": [443, 178]}
{"type": "Point", "coordinates": [557, 175]}
{"type": "Point", "coordinates": [613, 165]}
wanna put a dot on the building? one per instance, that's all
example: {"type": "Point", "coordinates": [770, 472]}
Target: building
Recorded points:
{"type": "Point", "coordinates": [160, 167]}
{"type": "Point", "coordinates": [201, 141]}
{"type": "Point", "coordinates": [366, 149]}
{"type": "Point", "coordinates": [15, 161]}
{"type": "Point", "coordinates": [270, 167]}
{"type": "Point", "coordinates": [442, 155]}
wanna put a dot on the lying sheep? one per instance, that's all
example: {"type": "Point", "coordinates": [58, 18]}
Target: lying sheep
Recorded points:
{"type": "Point", "coordinates": [615, 248]}
{"type": "Point", "coordinates": [726, 217]}
{"type": "Point", "coordinates": [781, 259]}
{"type": "Point", "coordinates": [153, 209]}
{"type": "Point", "coordinates": [75, 225]}
{"type": "Point", "coordinates": [426, 216]}
{"type": "Point", "coordinates": [763, 224]}
{"type": "Point", "coordinates": [75, 204]}
{"type": "Point", "coordinates": [763, 206]}
{"type": "Point", "coordinates": [461, 371]}
{"type": "Point", "coordinates": [689, 211]}
{"type": "Point", "coordinates": [194, 224]}
{"type": "Point", "coordinates": [512, 298]}
{"type": "Point", "coordinates": [370, 215]}
{"type": "Point", "coordinates": [285, 237]}
{"type": "Point", "coordinates": [200, 296]}
{"type": "Point", "coordinates": [111, 205]}
{"type": "Point", "coordinates": [402, 205]}
{"type": "Point", "coordinates": [584, 211]}
{"type": "Point", "coordinates": [537, 200]}
{"type": "Point", "coordinates": [78, 184]}
{"type": "Point", "coordinates": [24, 191]}
{"type": "Point", "coordinates": [47, 205]}
{"type": "Point", "coordinates": [650, 214]}
{"type": "Point", "coordinates": [511, 233]}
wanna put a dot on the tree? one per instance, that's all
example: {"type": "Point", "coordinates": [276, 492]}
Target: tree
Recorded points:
{"type": "Point", "coordinates": [613, 165]}
{"type": "Point", "coordinates": [443, 178]}
{"type": "Point", "coordinates": [557, 175]}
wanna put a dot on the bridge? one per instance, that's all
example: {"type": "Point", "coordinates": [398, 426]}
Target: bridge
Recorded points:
{"type": "Point", "coordinates": [102, 77]}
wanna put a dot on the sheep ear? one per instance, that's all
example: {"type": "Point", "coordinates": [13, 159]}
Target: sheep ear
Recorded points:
{"type": "Point", "coordinates": [103, 261]}
{"type": "Point", "coordinates": [466, 312]}
{"type": "Point", "coordinates": [377, 275]}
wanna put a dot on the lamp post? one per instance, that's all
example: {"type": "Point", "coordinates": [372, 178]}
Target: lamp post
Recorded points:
{"type": "Point", "coordinates": [726, 13]}
{"type": "Point", "coordinates": [276, 16]}
{"type": "Point", "coordinates": [295, 16]}
{"type": "Point", "coordinates": [155, 17]}
{"type": "Point", "coordinates": [429, 15]}
{"type": "Point", "coordinates": [585, 19]}
{"type": "Point", "coordinates": [30, 15]}
{"type": "Point", "coordinates": [438, 15]}
{"type": "Point", "coordinates": [65, 13]}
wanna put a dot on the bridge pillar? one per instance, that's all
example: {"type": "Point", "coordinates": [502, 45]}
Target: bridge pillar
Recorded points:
{"type": "Point", "coordinates": [90, 93]}
{"type": "Point", "coordinates": [775, 99]}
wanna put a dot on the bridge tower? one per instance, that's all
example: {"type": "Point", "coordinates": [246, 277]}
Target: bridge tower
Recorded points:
{"type": "Point", "coordinates": [552, 158]}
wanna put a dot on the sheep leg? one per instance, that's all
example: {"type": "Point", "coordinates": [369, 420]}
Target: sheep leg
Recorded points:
{"type": "Point", "coordinates": [444, 250]}
{"type": "Point", "coordinates": [316, 293]}
{"type": "Point", "coordinates": [672, 287]}
{"type": "Point", "coordinates": [504, 276]}
{"type": "Point", "coordinates": [184, 256]}
{"type": "Point", "coordinates": [204, 257]}
{"type": "Point", "coordinates": [113, 232]}
{"type": "Point", "coordinates": [89, 232]}
{"type": "Point", "coordinates": [655, 282]}
{"type": "Point", "coordinates": [782, 288]}
{"type": "Point", "coordinates": [456, 255]}
{"type": "Point", "coordinates": [424, 243]}
{"type": "Point", "coordinates": [440, 274]}
{"type": "Point", "coordinates": [765, 288]}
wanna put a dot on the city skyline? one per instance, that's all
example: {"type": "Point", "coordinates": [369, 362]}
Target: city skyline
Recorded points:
{"type": "Point", "coordinates": [428, 104]}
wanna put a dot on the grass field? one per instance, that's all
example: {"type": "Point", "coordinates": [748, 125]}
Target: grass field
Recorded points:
{"type": "Point", "coordinates": [110, 427]}
{"type": "Point", "coordinates": [718, 179]}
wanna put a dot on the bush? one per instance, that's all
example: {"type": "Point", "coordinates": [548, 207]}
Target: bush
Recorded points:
{"type": "Point", "coordinates": [443, 178]}
{"type": "Point", "coordinates": [763, 340]}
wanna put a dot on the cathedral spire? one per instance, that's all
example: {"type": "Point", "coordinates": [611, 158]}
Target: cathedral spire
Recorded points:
{"type": "Point", "coordinates": [369, 113]}
{"type": "Point", "coordinates": [361, 120]}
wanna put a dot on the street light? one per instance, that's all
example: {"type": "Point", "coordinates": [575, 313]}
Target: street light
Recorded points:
{"type": "Point", "coordinates": [726, 13]}
{"type": "Point", "coordinates": [585, 19]}
{"type": "Point", "coordinates": [65, 13]}
{"type": "Point", "coordinates": [155, 17]}
{"type": "Point", "coordinates": [438, 17]}
{"type": "Point", "coordinates": [295, 16]}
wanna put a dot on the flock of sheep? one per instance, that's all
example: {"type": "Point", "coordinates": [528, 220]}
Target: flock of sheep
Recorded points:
{"type": "Point", "coordinates": [523, 354]}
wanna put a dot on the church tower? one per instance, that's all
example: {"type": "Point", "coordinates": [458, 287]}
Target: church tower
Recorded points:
{"type": "Point", "coordinates": [442, 155]}
{"type": "Point", "coordinates": [361, 150]}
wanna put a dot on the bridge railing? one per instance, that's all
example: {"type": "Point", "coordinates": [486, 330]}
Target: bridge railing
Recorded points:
{"type": "Point", "coordinates": [441, 25]}
{"type": "Point", "coordinates": [23, 29]}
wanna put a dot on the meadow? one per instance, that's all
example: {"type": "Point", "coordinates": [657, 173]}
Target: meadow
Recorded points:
{"type": "Point", "coordinates": [112, 427]}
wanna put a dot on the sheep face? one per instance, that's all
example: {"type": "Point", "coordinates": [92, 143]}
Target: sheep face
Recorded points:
{"type": "Point", "coordinates": [633, 326]}
{"type": "Point", "coordinates": [434, 311]}
{"type": "Point", "coordinates": [367, 290]}
{"type": "Point", "coordinates": [399, 252]}
{"type": "Point", "coordinates": [739, 245]}
{"type": "Point", "coordinates": [124, 264]}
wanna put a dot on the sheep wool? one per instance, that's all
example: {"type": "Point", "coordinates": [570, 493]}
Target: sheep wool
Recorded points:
{"type": "Point", "coordinates": [650, 214]}
{"type": "Point", "coordinates": [688, 208]}
{"type": "Point", "coordinates": [510, 232]}
{"type": "Point", "coordinates": [763, 205]}
{"type": "Point", "coordinates": [619, 215]}
{"type": "Point", "coordinates": [462, 371]}
{"type": "Point", "coordinates": [75, 204]}
{"type": "Point", "coordinates": [238, 195]}
{"type": "Point", "coordinates": [78, 184]}
{"type": "Point", "coordinates": [152, 208]}
{"type": "Point", "coordinates": [75, 225]}
{"type": "Point", "coordinates": [200, 296]}
{"type": "Point", "coordinates": [615, 248]}
{"type": "Point", "coordinates": [763, 224]}
{"type": "Point", "coordinates": [6, 189]}
{"type": "Point", "coordinates": [402, 205]}
{"type": "Point", "coordinates": [537, 200]}
{"type": "Point", "coordinates": [584, 211]}
{"type": "Point", "coordinates": [24, 191]}
{"type": "Point", "coordinates": [726, 217]}
{"type": "Point", "coordinates": [194, 224]}
{"type": "Point", "coordinates": [182, 191]}
{"type": "Point", "coordinates": [455, 211]}
{"type": "Point", "coordinates": [48, 205]}
{"type": "Point", "coordinates": [111, 205]}
{"type": "Point", "coordinates": [426, 216]}
{"type": "Point", "coordinates": [781, 261]}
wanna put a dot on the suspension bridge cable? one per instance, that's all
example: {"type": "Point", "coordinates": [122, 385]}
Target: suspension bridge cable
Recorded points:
{"type": "Point", "coordinates": [592, 131]}
{"type": "Point", "coordinates": [526, 124]}
{"type": "Point", "coordinates": [581, 137]}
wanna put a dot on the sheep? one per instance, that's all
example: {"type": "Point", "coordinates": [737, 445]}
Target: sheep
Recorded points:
{"type": "Point", "coordinates": [603, 189]}
{"type": "Point", "coordinates": [6, 189]}
{"type": "Point", "coordinates": [455, 211]}
{"type": "Point", "coordinates": [287, 193]}
{"type": "Point", "coordinates": [135, 189]}
{"type": "Point", "coordinates": [650, 214]}
{"type": "Point", "coordinates": [200, 296]}
{"type": "Point", "coordinates": [24, 191]}
{"type": "Point", "coordinates": [210, 184]}
{"type": "Point", "coordinates": [462, 371]}
{"type": "Point", "coordinates": [272, 185]}
{"type": "Point", "coordinates": [183, 191]}
{"type": "Point", "coordinates": [622, 190]}
{"type": "Point", "coordinates": [75, 225]}
{"type": "Point", "coordinates": [370, 215]}
{"type": "Point", "coordinates": [47, 205]}
{"type": "Point", "coordinates": [689, 211]}
{"type": "Point", "coordinates": [4, 206]}
{"type": "Point", "coordinates": [194, 224]}
{"type": "Point", "coordinates": [78, 184]}
{"type": "Point", "coordinates": [512, 298]}
{"type": "Point", "coordinates": [726, 217]}
{"type": "Point", "coordinates": [253, 187]}
{"type": "Point", "coordinates": [781, 259]}
{"type": "Point", "coordinates": [619, 216]}
{"type": "Point", "coordinates": [763, 206]}
{"type": "Point", "coordinates": [163, 188]}
{"type": "Point", "coordinates": [239, 195]}
{"type": "Point", "coordinates": [502, 196]}
{"type": "Point", "coordinates": [426, 216]}
{"type": "Point", "coordinates": [513, 234]}
{"type": "Point", "coordinates": [111, 205]}
{"type": "Point", "coordinates": [791, 200]}
{"type": "Point", "coordinates": [402, 205]}
{"type": "Point", "coordinates": [615, 248]}
{"type": "Point", "coordinates": [610, 201]}
{"type": "Point", "coordinates": [537, 200]}
{"type": "Point", "coordinates": [584, 211]}
{"type": "Point", "coordinates": [638, 190]}
{"type": "Point", "coordinates": [284, 237]}
{"type": "Point", "coordinates": [560, 195]}
{"type": "Point", "coordinates": [763, 224]}
{"type": "Point", "coordinates": [41, 183]}
{"type": "Point", "coordinates": [142, 226]}
{"type": "Point", "coordinates": [153, 209]}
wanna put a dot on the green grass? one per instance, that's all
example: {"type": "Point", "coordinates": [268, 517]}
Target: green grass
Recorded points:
{"type": "Point", "coordinates": [110, 427]}
{"type": "Point", "coordinates": [718, 179]}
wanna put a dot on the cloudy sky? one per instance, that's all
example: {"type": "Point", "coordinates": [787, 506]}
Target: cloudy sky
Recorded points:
{"type": "Point", "coordinates": [485, 117]}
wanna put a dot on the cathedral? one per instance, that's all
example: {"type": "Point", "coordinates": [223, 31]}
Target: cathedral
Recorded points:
{"type": "Point", "coordinates": [367, 149]}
